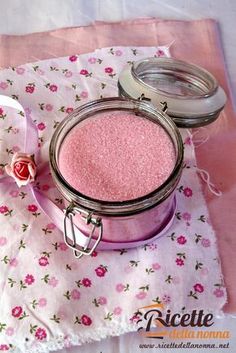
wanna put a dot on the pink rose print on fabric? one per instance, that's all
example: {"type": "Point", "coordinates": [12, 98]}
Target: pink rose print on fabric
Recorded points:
{"type": "Point", "coordinates": [73, 58]}
{"type": "Point", "coordinates": [86, 282]}
{"type": "Point", "coordinates": [10, 331]}
{"type": "Point", "coordinates": [186, 216]}
{"type": "Point", "coordinates": [30, 88]}
{"type": "Point", "coordinates": [160, 53]}
{"type": "Point", "coordinates": [101, 271]}
{"type": "Point", "coordinates": [62, 314]}
{"type": "Point", "coordinates": [206, 242]}
{"type": "Point", "coordinates": [42, 302]}
{"type": "Point", "coordinates": [75, 294]}
{"type": "Point", "coordinates": [120, 287]}
{"type": "Point", "coordinates": [13, 262]}
{"type": "Point", "coordinates": [156, 266]}
{"type": "Point", "coordinates": [49, 107]}
{"type": "Point", "coordinates": [128, 269]}
{"type": "Point", "coordinates": [51, 226]}
{"type": "Point", "coordinates": [53, 282]}
{"type": "Point", "coordinates": [181, 240]}
{"type": "Point", "coordinates": [83, 72]}
{"type": "Point", "coordinates": [43, 261]}
{"type": "Point", "coordinates": [29, 279]}
{"type": "Point", "coordinates": [40, 72]}
{"type": "Point", "coordinates": [118, 52]}
{"type": "Point", "coordinates": [108, 70]}
{"type": "Point", "coordinates": [68, 74]}
{"type": "Point", "coordinates": [141, 295]}
{"type": "Point", "coordinates": [3, 241]}
{"type": "Point", "coordinates": [4, 347]}
{"type": "Point", "coordinates": [40, 334]}
{"type": "Point", "coordinates": [134, 318]}
{"type": "Point", "coordinates": [20, 70]}
{"type": "Point", "coordinates": [69, 110]}
{"type": "Point", "coordinates": [92, 60]}
{"type": "Point", "coordinates": [32, 208]}
{"type": "Point", "coordinates": [84, 94]}
{"type": "Point", "coordinates": [22, 169]}
{"type": "Point", "coordinates": [188, 192]}
{"type": "Point", "coordinates": [94, 254]}
{"type": "Point", "coordinates": [5, 210]}
{"type": "Point", "coordinates": [198, 287]}
{"type": "Point", "coordinates": [86, 320]}
{"type": "Point", "coordinates": [102, 300]}
{"type": "Point", "coordinates": [166, 299]}
{"type": "Point", "coordinates": [117, 311]}
{"type": "Point", "coordinates": [41, 126]}
{"type": "Point", "coordinates": [2, 116]}
{"type": "Point", "coordinates": [17, 311]}
{"type": "Point", "coordinates": [176, 280]}
{"type": "Point", "coordinates": [15, 148]}
{"type": "Point", "coordinates": [179, 262]}
{"type": "Point", "coordinates": [53, 88]}
{"type": "Point", "coordinates": [218, 292]}
{"type": "Point", "coordinates": [3, 85]}
{"type": "Point", "coordinates": [28, 111]}
{"type": "Point", "coordinates": [63, 246]}
{"type": "Point", "coordinates": [152, 246]}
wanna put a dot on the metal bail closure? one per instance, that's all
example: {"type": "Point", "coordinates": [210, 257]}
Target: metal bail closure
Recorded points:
{"type": "Point", "coordinates": [79, 242]}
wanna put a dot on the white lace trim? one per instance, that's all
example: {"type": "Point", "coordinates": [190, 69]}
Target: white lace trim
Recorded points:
{"type": "Point", "coordinates": [61, 342]}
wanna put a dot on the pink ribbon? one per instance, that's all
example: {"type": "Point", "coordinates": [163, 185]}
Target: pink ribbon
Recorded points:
{"type": "Point", "coordinates": [48, 207]}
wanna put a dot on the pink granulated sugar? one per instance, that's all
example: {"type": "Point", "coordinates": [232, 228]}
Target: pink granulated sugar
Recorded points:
{"type": "Point", "coordinates": [116, 156]}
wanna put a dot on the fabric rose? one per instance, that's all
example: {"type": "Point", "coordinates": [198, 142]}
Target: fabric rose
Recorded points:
{"type": "Point", "coordinates": [198, 287]}
{"type": "Point", "coordinates": [86, 320]}
{"type": "Point", "coordinates": [17, 311]}
{"type": "Point", "coordinates": [22, 169]}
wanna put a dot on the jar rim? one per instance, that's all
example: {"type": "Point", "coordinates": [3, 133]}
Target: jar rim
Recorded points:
{"type": "Point", "coordinates": [192, 74]}
{"type": "Point", "coordinates": [115, 208]}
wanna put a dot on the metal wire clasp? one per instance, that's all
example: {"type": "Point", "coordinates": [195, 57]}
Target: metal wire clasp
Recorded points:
{"type": "Point", "coordinates": [79, 242]}
{"type": "Point", "coordinates": [143, 98]}
{"type": "Point", "coordinates": [164, 106]}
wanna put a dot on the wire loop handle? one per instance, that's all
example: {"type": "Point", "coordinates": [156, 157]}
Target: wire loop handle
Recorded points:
{"type": "Point", "coordinates": [88, 218]}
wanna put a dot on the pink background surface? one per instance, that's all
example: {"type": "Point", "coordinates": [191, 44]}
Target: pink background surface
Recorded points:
{"type": "Point", "coordinates": [203, 49]}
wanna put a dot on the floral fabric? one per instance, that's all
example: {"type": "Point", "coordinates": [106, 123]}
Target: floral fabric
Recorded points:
{"type": "Point", "coordinates": [50, 300]}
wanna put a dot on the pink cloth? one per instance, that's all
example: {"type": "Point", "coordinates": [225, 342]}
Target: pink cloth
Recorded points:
{"type": "Point", "coordinates": [201, 49]}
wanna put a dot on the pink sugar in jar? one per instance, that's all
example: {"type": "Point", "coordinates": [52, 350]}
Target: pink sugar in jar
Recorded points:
{"type": "Point", "coordinates": [117, 163]}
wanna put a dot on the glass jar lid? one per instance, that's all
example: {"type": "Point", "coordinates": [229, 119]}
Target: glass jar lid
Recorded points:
{"type": "Point", "coordinates": [192, 94]}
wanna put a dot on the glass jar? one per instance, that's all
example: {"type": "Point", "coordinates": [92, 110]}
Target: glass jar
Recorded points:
{"type": "Point", "coordinates": [115, 225]}
{"type": "Point", "coordinates": [149, 87]}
